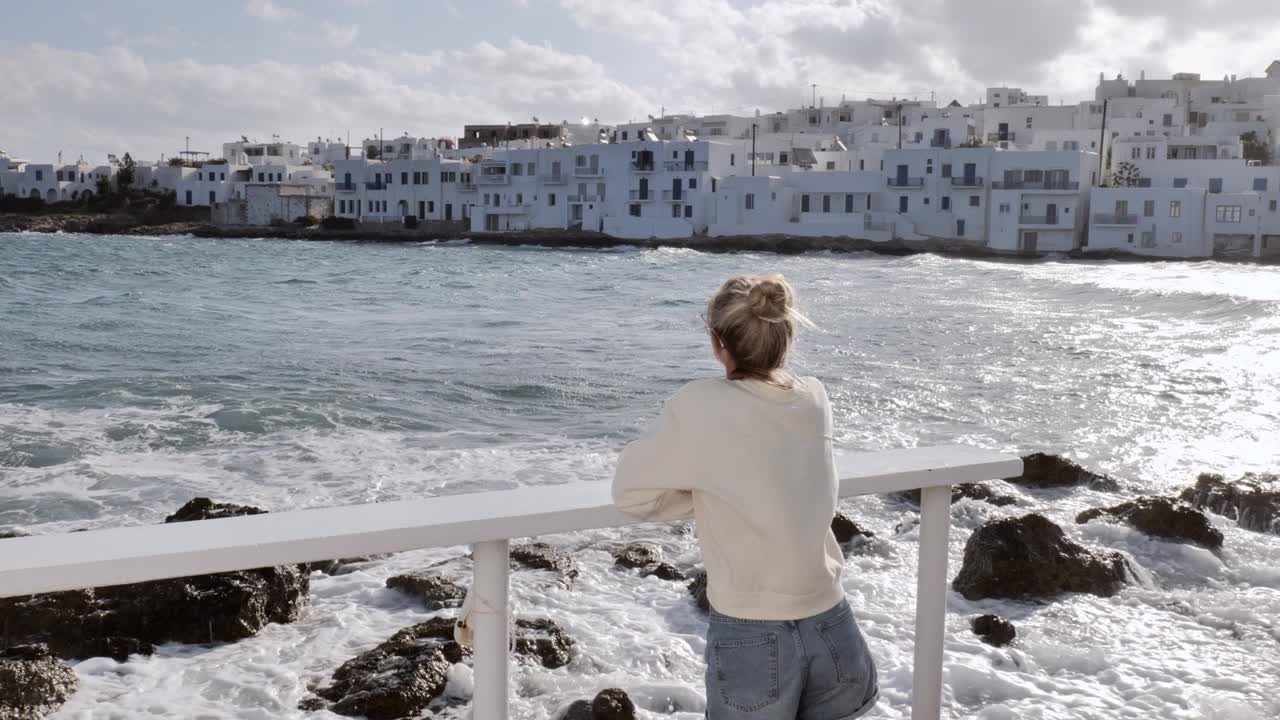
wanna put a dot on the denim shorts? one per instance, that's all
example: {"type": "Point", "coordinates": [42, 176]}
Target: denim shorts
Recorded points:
{"type": "Point", "coordinates": [818, 668]}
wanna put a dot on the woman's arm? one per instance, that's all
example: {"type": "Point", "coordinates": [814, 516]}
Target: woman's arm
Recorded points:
{"type": "Point", "coordinates": [653, 480]}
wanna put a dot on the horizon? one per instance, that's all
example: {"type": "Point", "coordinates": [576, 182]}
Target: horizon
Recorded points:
{"type": "Point", "coordinates": [91, 81]}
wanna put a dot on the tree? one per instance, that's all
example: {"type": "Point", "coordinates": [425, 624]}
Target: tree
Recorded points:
{"type": "Point", "coordinates": [127, 173]}
{"type": "Point", "coordinates": [1255, 149]}
{"type": "Point", "coordinates": [372, 153]}
{"type": "Point", "coordinates": [1126, 175]}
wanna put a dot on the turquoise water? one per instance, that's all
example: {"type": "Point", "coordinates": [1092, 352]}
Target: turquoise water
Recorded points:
{"type": "Point", "coordinates": [137, 373]}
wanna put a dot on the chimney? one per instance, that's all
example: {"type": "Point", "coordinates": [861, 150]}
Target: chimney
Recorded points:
{"type": "Point", "coordinates": [1142, 74]}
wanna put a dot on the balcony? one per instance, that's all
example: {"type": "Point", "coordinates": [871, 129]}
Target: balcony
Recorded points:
{"type": "Point", "coordinates": [583, 198]}
{"type": "Point", "coordinates": [555, 179]}
{"type": "Point", "coordinates": [345, 187]}
{"type": "Point", "coordinates": [914, 183]}
{"type": "Point", "coordinates": [486, 521]}
{"type": "Point", "coordinates": [682, 166]}
{"type": "Point", "coordinates": [943, 143]}
{"type": "Point", "coordinates": [966, 182]}
{"type": "Point", "coordinates": [1038, 219]}
{"type": "Point", "coordinates": [1114, 219]}
{"type": "Point", "coordinates": [1046, 185]}
{"type": "Point", "coordinates": [493, 179]}
{"type": "Point", "coordinates": [375, 185]}
{"type": "Point", "coordinates": [642, 166]}
{"type": "Point", "coordinates": [642, 196]}
{"type": "Point", "coordinates": [588, 172]}
{"type": "Point", "coordinates": [466, 186]}
{"type": "Point", "coordinates": [674, 196]}
{"type": "Point", "coordinates": [1001, 137]}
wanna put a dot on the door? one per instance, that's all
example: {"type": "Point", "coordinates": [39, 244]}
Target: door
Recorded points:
{"type": "Point", "coordinates": [448, 211]}
{"type": "Point", "coordinates": [688, 159]}
{"type": "Point", "coordinates": [644, 188]}
{"type": "Point", "coordinates": [1051, 214]}
{"type": "Point", "coordinates": [555, 168]}
{"type": "Point", "coordinates": [676, 189]}
{"type": "Point", "coordinates": [422, 210]}
{"type": "Point", "coordinates": [970, 173]}
{"type": "Point", "coordinates": [901, 177]}
{"type": "Point", "coordinates": [1002, 131]}
{"type": "Point", "coordinates": [1030, 238]}
{"type": "Point", "coordinates": [960, 228]}
{"type": "Point", "coordinates": [902, 203]}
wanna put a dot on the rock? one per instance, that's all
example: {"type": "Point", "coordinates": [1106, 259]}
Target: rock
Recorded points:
{"type": "Point", "coordinates": [993, 629]}
{"type": "Point", "coordinates": [206, 509]}
{"type": "Point", "coordinates": [396, 679]}
{"type": "Point", "coordinates": [663, 571]}
{"type": "Point", "coordinates": [544, 640]}
{"type": "Point", "coordinates": [541, 556]}
{"type": "Point", "coordinates": [1253, 500]}
{"type": "Point", "coordinates": [638, 555]}
{"type": "Point", "coordinates": [435, 591]}
{"type": "Point", "coordinates": [973, 491]}
{"type": "Point", "coordinates": [1051, 471]}
{"type": "Point", "coordinates": [846, 530]}
{"type": "Point", "coordinates": [698, 589]}
{"type": "Point", "coordinates": [579, 710]}
{"type": "Point", "coordinates": [342, 566]}
{"type": "Point", "coordinates": [609, 704]}
{"type": "Point", "coordinates": [13, 534]}
{"type": "Point", "coordinates": [1029, 558]}
{"type": "Point", "coordinates": [613, 704]}
{"type": "Point", "coordinates": [1164, 518]}
{"type": "Point", "coordinates": [122, 620]}
{"type": "Point", "coordinates": [33, 683]}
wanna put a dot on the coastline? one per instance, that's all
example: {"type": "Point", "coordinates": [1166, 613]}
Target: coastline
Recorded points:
{"type": "Point", "coordinates": [124, 224]}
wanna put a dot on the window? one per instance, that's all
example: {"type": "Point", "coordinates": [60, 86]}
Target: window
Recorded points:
{"type": "Point", "coordinates": [926, 201]}
{"type": "Point", "coordinates": [693, 183]}
{"type": "Point", "coordinates": [1148, 239]}
{"type": "Point", "coordinates": [1215, 185]}
{"type": "Point", "coordinates": [1272, 206]}
{"type": "Point", "coordinates": [1177, 238]}
{"type": "Point", "coordinates": [675, 210]}
{"type": "Point", "coordinates": [831, 165]}
{"type": "Point", "coordinates": [960, 227]}
{"type": "Point", "coordinates": [199, 176]}
{"type": "Point", "coordinates": [40, 177]}
{"type": "Point", "coordinates": [902, 203]}
{"type": "Point", "coordinates": [261, 177]}
{"type": "Point", "coordinates": [732, 158]}
{"type": "Point", "coordinates": [946, 170]}
{"type": "Point", "coordinates": [975, 200]}
{"type": "Point", "coordinates": [1122, 207]}
{"type": "Point", "coordinates": [1004, 208]}
{"type": "Point", "coordinates": [1129, 239]}
{"type": "Point", "coordinates": [1168, 120]}
{"type": "Point", "coordinates": [431, 206]}
{"type": "Point", "coordinates": [404, 178]}
{"type": "Point", "coordinates": [826, 203]}
{"type": "Point", "coordinates": [946, 202]}
{"type": "Point", "coordinates": [688, 211]}
{"type": "Point", "coordinates": [782, 158]}
{"type": "Point", "coordinates": [804, 203]}
{"type": "Point", "coordinates": [624, 134]}
{"type": "Point", "coordinates": [517, 169]}
{"type": "Point", "coordinates": [519, 198]}
{"type": "Point", "coordinates": [370, 206]}
{"type": "Point", "coordinates": [222, 176]}
{"type": "Point", "coordinates": [1228, 214]}
{"type": "Point", "coordinates": [1151, 152]}
{"type": "Point", "coordinates": [1260, 184]}
{"type": "Point", "coordinates": [1179, 182]}
{"type": "Point", "coordinates": [1148, 208]}
{"type": "Point", "coordinates": [213, 197]}
{"type": "Point", "coordinates": [1135, 153]}
{"type": "Point", "coordinates": [417, 178]}
{"type": "Point", "coordinates": [1028, 122]}
{"type": "Point", "coordinates": [1175, 208]}
{"type": "Point", "coordinates": [551, 199]}
{"type": "Point", "coordinates": [848, 202]}
{"type": "Point", "coordinates": [749, 201]}
{"type": "Point", "coordinates": [485, 202]}
{"type": "Point", "coordinates": [634, 210]}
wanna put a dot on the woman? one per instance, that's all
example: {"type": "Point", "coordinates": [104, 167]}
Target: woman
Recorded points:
{"type": "Point", "coordinates": [749, 456]}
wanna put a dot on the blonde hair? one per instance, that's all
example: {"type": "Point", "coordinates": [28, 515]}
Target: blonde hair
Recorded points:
{"type": "Point", "coordinates": [755, 318]}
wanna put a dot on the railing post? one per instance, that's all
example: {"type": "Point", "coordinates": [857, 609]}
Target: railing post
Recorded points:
{"type": "Point", "coordinates": [931, 603]}
{"type": "Point", "coordinates": [490, 629]}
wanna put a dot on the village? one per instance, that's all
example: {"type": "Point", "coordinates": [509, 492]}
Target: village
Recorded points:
{"type": "Point", "coordinates": [1175, 167]}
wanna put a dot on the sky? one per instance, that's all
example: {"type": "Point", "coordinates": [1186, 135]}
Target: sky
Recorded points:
{"type": "Point", "coordinates": [88, 78]}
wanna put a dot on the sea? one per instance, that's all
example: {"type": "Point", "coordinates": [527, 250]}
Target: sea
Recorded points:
{"type": "Point", "coordinates": [138, 373]}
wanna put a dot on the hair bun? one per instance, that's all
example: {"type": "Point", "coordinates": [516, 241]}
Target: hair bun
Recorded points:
{"type": "Point", "coordinates": [771, 298]}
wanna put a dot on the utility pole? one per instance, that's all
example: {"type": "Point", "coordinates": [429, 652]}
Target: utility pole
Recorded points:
{"type": "Point", "coordinates": [1102, 144]}
{"type": "Point", "coordinates": [899, 126]}
{"type": "Point", "coordinates": [753, 149]}
{"type": "Point", "coordinates": [814, 103]}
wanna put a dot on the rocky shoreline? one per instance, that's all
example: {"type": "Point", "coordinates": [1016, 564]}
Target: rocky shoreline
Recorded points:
{"type": "Point", "coordinates": [1018, 557]}
{"type": "Point", "coordinates": [124, 224]}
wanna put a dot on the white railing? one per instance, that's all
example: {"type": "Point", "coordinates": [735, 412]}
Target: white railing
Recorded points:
{"type": "Point", "coordinates": [486, 521]}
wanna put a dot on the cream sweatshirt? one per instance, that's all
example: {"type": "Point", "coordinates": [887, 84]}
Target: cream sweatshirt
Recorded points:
{"type": "Point", "coordinates": [752, 463]}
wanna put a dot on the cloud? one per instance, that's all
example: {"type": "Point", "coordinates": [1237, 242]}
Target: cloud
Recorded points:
{"type": "Point", "coordinates": [116, 100]}
{"type": "Point", "coordinates": [269, 10]}
{"type": "Point", "coordinates": [340, 35]}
